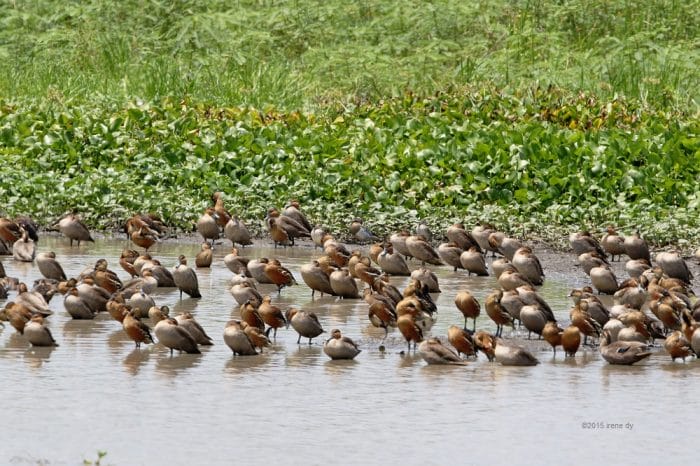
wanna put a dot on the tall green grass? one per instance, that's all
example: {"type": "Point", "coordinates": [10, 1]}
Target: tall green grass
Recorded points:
{"type": "Point", "coordinates": [303, 54]}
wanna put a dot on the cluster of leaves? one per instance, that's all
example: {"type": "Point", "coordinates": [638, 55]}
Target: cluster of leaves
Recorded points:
{"type": "Point", "coordinates": [534, 163]}
{"type": "Point", "coordinates": [300, 54]}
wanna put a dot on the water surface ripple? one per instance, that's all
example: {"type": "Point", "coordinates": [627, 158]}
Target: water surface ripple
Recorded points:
{"type": "Point", "coordinates": [293, 405]}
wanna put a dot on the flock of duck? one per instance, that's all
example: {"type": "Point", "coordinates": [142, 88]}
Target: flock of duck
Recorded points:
{"type": "Point", "coordinates": [655, 302]}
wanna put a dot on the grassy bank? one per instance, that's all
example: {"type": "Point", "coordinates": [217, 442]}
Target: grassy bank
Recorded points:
{"type": "Point", "coordinates": [303, 54]}
{"type": "Point", "coordinates": [539, 116]}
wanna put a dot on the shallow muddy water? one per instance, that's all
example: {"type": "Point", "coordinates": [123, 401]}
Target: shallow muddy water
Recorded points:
{"type": "Point", "coordinates": [293, 405]}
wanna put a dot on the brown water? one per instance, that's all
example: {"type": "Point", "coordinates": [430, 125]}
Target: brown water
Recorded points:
{"type": "Point", "coordinates": [293, 405]}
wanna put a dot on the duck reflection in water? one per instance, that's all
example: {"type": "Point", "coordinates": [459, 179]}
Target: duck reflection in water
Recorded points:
{"type": "Point", "coordinates": [410, 359]}
{"type": "Point", "coordinates": [186, 305]}
{"type": "Point", "coordinates": [135, 360]}
{"type": "Point", "coordinates": [338, 367]}
{"type": "Point", "coordinates": [171, 366]}
{"type": "Point", "coordinates": [305, 355]}
{"type": "Point", "coordinates": [245, 365]}
{"type": "Point", "coordinates": [36, 356]}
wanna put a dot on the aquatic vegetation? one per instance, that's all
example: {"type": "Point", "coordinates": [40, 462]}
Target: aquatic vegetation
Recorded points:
{"type": "Point", "coordinates": [522, 162]}
{"type": "Point", "coordinates": [575, 115]}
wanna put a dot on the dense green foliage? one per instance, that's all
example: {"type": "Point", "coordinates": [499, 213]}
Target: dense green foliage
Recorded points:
{"type": "Point", "coordinates": [538, 116]}
{"type": "Point", "coordinates": [520, 162]}
{"type": "Point", "coordinates": [302, 54]}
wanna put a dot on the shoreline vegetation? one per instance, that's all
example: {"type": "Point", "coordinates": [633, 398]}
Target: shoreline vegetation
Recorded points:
{"type": "Point", "coordinates": [539, 117]}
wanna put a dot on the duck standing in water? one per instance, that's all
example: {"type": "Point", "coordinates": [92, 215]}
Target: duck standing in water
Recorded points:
{"type": "Point", "coordinates": [462, 238]}
{"type": "Point", "coordinates": [257, 337]}
{"type": "Point", "coordinates": [505, 245]}
{"type": "Point", "coordinates": [473, 261]}
{"type": "Point", "coordinates": [37, 333]}
{"type": "Point", "coordinates": [77, 307]}
{"type": "Point", "coordinates": [382, 311]}
{"type": "Point", "coordinates": [316, 278]}
{"type": "Point", "coordinates": [340, 347]}
{"type": "Point", "coordinates": [144, 237]}
{"type": "Point", "coordinates": [135, 329]}
{"type": "Point", "coordinates": [527, 263]}
{"type": "Point", "coordinates": [674, 266]}
{"type": "Point", "coordinates": [74, 229]}
{"type": "Point", "coordinates": [279, 275]}
{"type": "Point", "coordinates": [360, 232]}
{"type": "Point", "coordinates": [422, 250]}
{"type": "Point", "coordinates": [468, 306]}
{"type": "Point", "coordinates": [49, 267]}
{"type": "Point", "coordinates": [24, 249]}
{"type": "Point", "coordinates": [185, 278]}
{"type": "Point", "coordinates": [207, 225]}
{"type": "Point", "coordinates": [238, 340]}
{"type": "Point", "coordinates": [622, 352]}
{"type": "Point", "coordinates": [222, 215]}
{"type": "Point", "coordinates": [398, 242]}
{"type": "Point", "coordinates": [410, 329]}
{"type": "Point", "coordinates": [513, 355]}
{"type": "Point", "coordinates": [305, 323]}
{"type": "Point", "coordinates": [462, 340]}
{"type": "Point", "coordinates": [187, 321]}
{"type": "Point", "coordinates": [604, 280]}
{"type": "Point", "coordinates": [552, 334]}
{"type": "Point", "coordinates": [204, 257]}
{"type": "Point", "coordinates": [343, 284]}
{"type": "Point", "coordinates": [237, 232]}
{"type": "Point", "coordinates": [636, 247]}
{"type": "Point", "coordinates": [271, 315]}
{"type": "Point", "coordinates": [571, 340]}
{"type": "Point", "coordinates": [613, 243]}
{"type": "Point", "coordinates": [497, 312]}
{"type": "Point", "coordinates": [677, 346]}
{"type": "Point", "coordinates": [293, 211]}
{"type": "Point", "coordinates": [450, 254]}
{"type": "Point", "coordinates": [288, 225]}
{"type": "Point", "coordinates": [584, 242]}
{"type": "Point", "coordinates": [173, 336]}
{"type": "Point", "coordinates": [434, 352]}
{"type": "Point", "coordinates": [17, 314]}
{"type": "Point", "coordinates": [392, 262]}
